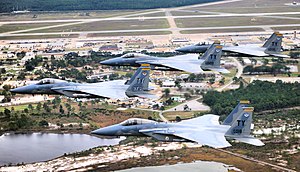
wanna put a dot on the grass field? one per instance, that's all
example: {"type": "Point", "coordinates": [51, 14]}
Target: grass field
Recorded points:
{"type": "Point", "coordinates": [183, 115]}
{"type": "Point", "coordinates": [286, 28]}
{"type": "Point", "coordinates": [230, 21]}
{"type": "Point", "coordinates": [65, 15]}
{"type": "Point", "coordinates": [248, 4]}
{"type": "Point", "coordinates": [156, 14]}
{"type": "Point", "coordinates": [252, 9]}
{"type": "Point", "coordinates": [110, 25]}
{"type": "Point", "coordinates": [23, 26]}
{"type": "Point", "coordinates": [17, 107]}
{"type": "Point", "coordinates": [183, 13]}
{"type": "Point", "coordinates": [129, 33]}
{"type": "Point", "coordinates": [292, 15]}
{"type": "Point", "coordinates": [38, 37]}
{"type": "Point", "coordinates": [220, 30]}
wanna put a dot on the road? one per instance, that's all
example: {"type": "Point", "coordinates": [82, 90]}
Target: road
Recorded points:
{"type": "Point", "coordinates": [240, 69]}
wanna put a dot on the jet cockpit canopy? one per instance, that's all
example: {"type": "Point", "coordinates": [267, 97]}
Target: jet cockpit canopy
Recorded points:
{"type": "Point", "coordinates": [134, 55]}
{"type": "Point", "coordinates": [49, 81]}
{"type": "Point", "coordinates": [200, 43]}
{"type": "Point", "coordinates": [136, 121]}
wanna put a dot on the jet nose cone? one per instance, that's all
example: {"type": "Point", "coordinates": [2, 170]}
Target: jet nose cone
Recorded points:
{"type": "Point", "coordinates": [23, 90]}
{"type": "Point", "coordinates": [20, 90]}
{"type": "Point", "coordinates": [109, 62]}
{"type": "Point", "coordinates": [106, 131]}
{"type": "Point", "coordinates": [182, 49]}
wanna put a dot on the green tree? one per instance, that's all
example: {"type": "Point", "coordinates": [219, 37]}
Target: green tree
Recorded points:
{"type": "Point", "coordinates": [43, 123]}
{"type": "Point", "coordinates": [30, 107]}
{"type": "Point", "coordinates": [61, 110]}
{"type": "Point", "coordinates": [39, 106]}
{"type": "Point", "coordinates": [166, 92]}
{"type": "Point", "coordinates": [187, 96]}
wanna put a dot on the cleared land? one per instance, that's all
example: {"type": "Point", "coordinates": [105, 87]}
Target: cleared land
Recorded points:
{"type": "Point", "coordinates": [38, 37]}
{"type": "Point", "coordinates": [23, 26]}
{"type": "Point", "coordinates": [221, 30]}
{"type": "Point", "coordinates": [230, 21]}
{"type": "Point", "coordinates": [129, 33]}
{"type": "Point", "coordinates": [110, 25]}
{"type": "Point", "coordinates": [185, 155]}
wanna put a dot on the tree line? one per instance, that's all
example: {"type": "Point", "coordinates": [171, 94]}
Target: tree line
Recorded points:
{"type": "Point", "coordinates": [263, 95]}
{"type": "Point", "coordinates": [70, 5]}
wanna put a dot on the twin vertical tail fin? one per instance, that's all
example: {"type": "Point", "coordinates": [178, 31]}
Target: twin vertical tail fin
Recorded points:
{"type": "Point", "coordinates": [139, 83]}
{"type": "Point", "coordinates": [273, 44]}
{"type": "Point", "coordinates": [212, 58]}
{"type": "Point", "coordinates": [241, 127]}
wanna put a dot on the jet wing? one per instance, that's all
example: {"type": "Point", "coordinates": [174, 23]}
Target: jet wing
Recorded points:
{"type": "Point", "coordinates": [188, 67]}
{"type": "Point", "coordinates": [106, 92]}
{"type": "Point", "coordinates": [184, 57]}
{"type": "Point", "coordinates": [203, 120]}
{"type": "Point", "coordinates": [212, 139]}
{"type": "Point", "coordinates": [187, 62]}
{"type": "Point", "coordinates": [280, 55]}
{"type": "Point", "coordinates": [245, 50]}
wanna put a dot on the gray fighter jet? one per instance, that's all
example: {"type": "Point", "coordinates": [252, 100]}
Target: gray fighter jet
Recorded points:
{"type": "Point", "coordinates": [204, 130]}
{"type": "Point", "coordinates": [271, 47]}
{"type": "Point", "coordinates": [137, 86]}
{"type": "Point", "coordinates": [189, 63]}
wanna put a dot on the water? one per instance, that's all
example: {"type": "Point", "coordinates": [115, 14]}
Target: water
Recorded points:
{"type": "Point", "coordinates": [36, 147]}
{"type": "Point", "coordinates": [198, 166]}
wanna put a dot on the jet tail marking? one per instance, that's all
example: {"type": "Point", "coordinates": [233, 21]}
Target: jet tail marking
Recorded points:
{"type": "Point", "coordinates": [235, 112]}
{"type": "Point", "coordinates": [139, 82]}
{"type": "Point", "coordinates": [212, 58]}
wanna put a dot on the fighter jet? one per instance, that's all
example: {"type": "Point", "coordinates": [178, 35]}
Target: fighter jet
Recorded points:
{"type": "Point", "coordinates": [137, 86]}
{"type": "Point", "coordinates": [271, 47]}
{"type": "Point", "coordinates": [189, 63]}
{"type": "Point", "coordinates": [204, 130]}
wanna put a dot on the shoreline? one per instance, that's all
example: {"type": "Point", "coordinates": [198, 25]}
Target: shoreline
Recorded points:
{"type": "Point", "coordinates": [121, 157]}
{"type": "Point", "coordinates": [30, 131]}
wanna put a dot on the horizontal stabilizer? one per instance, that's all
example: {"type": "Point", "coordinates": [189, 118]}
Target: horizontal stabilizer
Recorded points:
{"type": "Point", "coordinates": [250, 140]}
{"type": "Point", "coordinates": [280, 55]}
{"type": "Point", "coordinates": [220, 70]}
{"type": "Point", "coordinates": [146, 95]}
{"type": "Point", "coordinates": [212, 139]}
